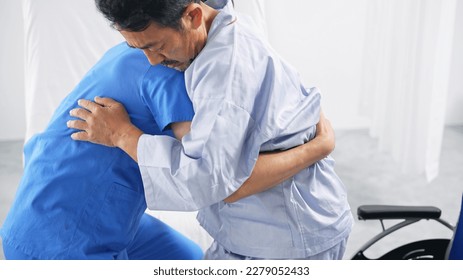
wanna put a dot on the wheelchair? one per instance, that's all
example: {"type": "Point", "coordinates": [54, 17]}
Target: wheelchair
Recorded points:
{"type": "Point", "coordinates": [427, 249]}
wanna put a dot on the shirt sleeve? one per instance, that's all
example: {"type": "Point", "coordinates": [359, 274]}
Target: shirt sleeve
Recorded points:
{"type": "Point", "coordinates": [163, 91]}
{"type": "Point", "coordinates": [208, 165]}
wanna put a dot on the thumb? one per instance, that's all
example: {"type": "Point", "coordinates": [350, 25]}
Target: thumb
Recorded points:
{"type": "Point", "coordinates": [105, 101]}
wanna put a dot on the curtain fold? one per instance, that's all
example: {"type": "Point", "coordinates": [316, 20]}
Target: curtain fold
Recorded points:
{"type": "Point", "coordinates": [407, 59]}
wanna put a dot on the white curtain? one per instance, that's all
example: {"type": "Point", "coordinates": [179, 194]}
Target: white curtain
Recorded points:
{"type": "Point", "coordinates": [63, 39]}
{"type": "Point", "coordinates": [407, 59]}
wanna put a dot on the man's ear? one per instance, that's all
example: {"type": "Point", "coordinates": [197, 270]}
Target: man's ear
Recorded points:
{"type": "Point", "coordinates": [193, 15]}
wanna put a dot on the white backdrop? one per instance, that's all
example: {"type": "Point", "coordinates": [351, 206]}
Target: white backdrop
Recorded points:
{"type": "Point", "coordinates": [455, 96]}
{"type": "Point", "coordinates": [324, 39]}
{"type": "Point", "coordinates": [63, 39]}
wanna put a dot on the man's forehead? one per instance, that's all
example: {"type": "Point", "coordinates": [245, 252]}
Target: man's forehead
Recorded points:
{"type": "Point", "coordinates": [141, 39]}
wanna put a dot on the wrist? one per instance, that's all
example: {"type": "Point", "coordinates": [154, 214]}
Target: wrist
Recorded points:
{"type": "Point", "coordinates": [124, 135]}
{"type": "Point", "coordinates": [325, 146]}
{"type": "Point", "coordinates": [127, 140]}
{"type": "Point", "coordinates": [318, 148]}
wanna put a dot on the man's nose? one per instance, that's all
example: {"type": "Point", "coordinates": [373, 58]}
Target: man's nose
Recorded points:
{"type": "Point", "coordinates": [154, 58]}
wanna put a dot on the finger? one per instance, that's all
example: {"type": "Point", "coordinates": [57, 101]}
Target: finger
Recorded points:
{"type": "Point", "coordinates": [80, 136]}
{"type": "Point", "coordinates": [89, 105]}
{"type": "Point", "coordinates": [77, 124]}
{"type": "Point", "coordinates": [80, 113]}
{"type": "Point", "coordinates": [105, 101]}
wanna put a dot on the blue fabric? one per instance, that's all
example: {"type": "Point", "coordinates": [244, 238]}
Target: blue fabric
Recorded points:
{"type": "Point", "coordinates": [78, 200]}
{"type": "Point", "coordinates": [456, 250]}
{"type": "Point", "coordinates": [154, 240]}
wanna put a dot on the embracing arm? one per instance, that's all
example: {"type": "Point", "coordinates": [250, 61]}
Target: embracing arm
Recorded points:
{"type": "Point", "coordinates": [106, 122]}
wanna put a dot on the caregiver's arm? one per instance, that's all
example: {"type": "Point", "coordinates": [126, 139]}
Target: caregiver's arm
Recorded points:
{"type": "Point", "coordinates": [107, 123]}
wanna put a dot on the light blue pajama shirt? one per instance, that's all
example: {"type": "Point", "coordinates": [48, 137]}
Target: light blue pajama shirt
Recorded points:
{"type": "Point", "coordinates": [246, 100]}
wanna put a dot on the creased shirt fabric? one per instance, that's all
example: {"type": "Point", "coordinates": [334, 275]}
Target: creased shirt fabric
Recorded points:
{"type": "Point", "coordinates": [246, 100]}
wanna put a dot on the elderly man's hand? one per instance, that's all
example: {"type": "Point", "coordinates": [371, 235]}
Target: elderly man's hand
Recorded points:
{"type": "Point", "coordinates": [104, 122]}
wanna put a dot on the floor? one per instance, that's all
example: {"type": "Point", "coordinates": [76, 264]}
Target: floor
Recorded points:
{"type": "Point", "coordinates": [371, 178]}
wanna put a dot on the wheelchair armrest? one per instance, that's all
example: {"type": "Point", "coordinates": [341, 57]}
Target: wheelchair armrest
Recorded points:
{"type": "Point", "coordinates": [378, 212]}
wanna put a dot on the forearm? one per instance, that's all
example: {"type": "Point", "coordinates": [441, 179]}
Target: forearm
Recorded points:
{"type": "Point", "coordinates": [274, 168]}
{"type": "Point", "coordinates": [128, 139]}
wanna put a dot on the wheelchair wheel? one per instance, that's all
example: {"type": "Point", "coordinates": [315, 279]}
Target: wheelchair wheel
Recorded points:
{"type": "Point", "coordinates": [430, 249]}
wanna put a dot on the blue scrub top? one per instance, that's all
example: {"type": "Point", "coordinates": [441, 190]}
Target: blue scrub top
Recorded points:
{"type": "Point", "coordinates": [79, 200]}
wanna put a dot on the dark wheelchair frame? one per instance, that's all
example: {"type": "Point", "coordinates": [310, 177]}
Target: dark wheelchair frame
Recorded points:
{"type": "Point", "coordinates": [428, 249]}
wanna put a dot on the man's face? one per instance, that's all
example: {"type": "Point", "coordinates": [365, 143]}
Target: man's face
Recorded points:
{"type": "Point", "coordinates": [167, 46]}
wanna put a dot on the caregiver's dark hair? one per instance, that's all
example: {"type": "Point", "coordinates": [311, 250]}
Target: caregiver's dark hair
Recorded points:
{"type": "Point", "coordinates": [136, 15]}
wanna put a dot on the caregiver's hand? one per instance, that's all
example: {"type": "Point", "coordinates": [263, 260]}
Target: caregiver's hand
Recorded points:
{"type": "Point", "coordinates": [105, 122]}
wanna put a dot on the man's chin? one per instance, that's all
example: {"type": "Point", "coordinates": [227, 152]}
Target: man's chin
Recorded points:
{"type": "Point", "coordinates": [179, 66]}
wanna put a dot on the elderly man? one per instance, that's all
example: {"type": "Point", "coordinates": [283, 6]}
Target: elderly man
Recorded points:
{"type": "Point", "coordinates": [247, 100]}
